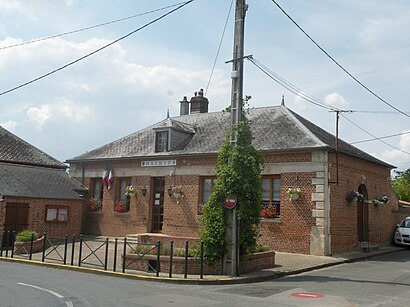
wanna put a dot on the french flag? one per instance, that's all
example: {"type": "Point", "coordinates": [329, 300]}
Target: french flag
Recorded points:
{"type": "Point", "coordinates": [110, 180]}
{"type": "Point", "coordinates": [105, 178]}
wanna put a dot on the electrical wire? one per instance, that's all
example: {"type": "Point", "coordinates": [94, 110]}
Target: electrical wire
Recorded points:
{"type": "Point", "coordinates": [289, 86]}
{"type": "Point", "coordinates": [379, 139]}
{"type": "Point", "coordinates": [219, 47]}
{"type": "Point", "coordinates": [339, 65]}
{"type": "Point", "coordinates": [311, 99]}
{"type": "Point", "coordinates": [96, 51]}
{"type": "Point", "coordinates": [382, 137]}
{"type": "Point", "coordinates": [88, 28]}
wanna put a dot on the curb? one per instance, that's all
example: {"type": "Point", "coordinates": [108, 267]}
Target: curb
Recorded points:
{"type": "Point", "coordinates": [197, 281]}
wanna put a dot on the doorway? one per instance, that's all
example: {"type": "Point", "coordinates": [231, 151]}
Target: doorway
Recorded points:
{"type": "Point", "coordinates": [362, 215]}
{"type": "Point", "coordinates": [16, 218]}
{"type": "Point", "coordinates": [158, 204]}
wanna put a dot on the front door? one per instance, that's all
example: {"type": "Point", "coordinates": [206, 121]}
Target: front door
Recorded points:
{"type": "Point", "coordinates": [158, 204]}
{"type": "Point", "coordinates": [16, 218]}
{"type": "Point", "coordinates": [363, 216]}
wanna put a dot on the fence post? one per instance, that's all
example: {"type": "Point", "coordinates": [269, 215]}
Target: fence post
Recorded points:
{"type": "Point", "coordinates": [80, 251]}
{"type": "Point", "coordinates": [2, 240]}
{"type": "Point", "coordinates": [44, 247]}
{"type": "Point", "coordinates": [115, 255]}
{"type": "Point", "coordinates": [13, 236]}
{"type": "Point", "coordinates": [123, 255]}
{"type": "Point", "coordinates": [7, 243]}
{"type": "Point", "coordinates": [106, 254]}
{"type": "Point", "coordinates": [186, 260]}
{"type": "Point", "coordinates": [202, 260]}
{"type": "Point", "coordinates": [65, 248]}
{"type": "Point", "coordinates": [72, 251]}
{"type": "Point", "coordinates": [31, 246]}
{"type": "Point", "coordinates": [171, 256]}
{"type": "Point", "coordinates": [158, 257]}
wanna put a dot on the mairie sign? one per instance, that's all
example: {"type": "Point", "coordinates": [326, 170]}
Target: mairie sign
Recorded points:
{"type": "Point", "coordinates": [159, 163]}
{"type": "Point", "coordinates": [230, 202]}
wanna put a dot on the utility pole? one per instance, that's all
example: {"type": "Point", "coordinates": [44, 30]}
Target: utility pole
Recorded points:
{"type": "Point", "coordinates": [231, 261]}
{"type": "Point", "coordinates": [337, 142]}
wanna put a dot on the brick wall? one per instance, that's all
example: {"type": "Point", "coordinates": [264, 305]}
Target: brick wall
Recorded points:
{"type": "Point", "coordinates": [343, 215]}
{"type": "Point", "coordinates": [37, 216]}
{"type": "Point", "coordinates": [291, 233]}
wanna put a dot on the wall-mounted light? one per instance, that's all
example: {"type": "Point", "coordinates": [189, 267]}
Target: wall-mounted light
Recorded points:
{"type": "Point", "coordinates": [144, 191]}
{"type": "Point", "coordinates": [170, 191]}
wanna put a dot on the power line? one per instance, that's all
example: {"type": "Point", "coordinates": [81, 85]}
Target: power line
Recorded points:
{"type": "Point", "coordinates": [289, 86]}
{"type": "Point", "coordinates": [88, 28]}
{"type": "Point", "coordinates": [379, 139]}
{"type": "Point", "coordinates": [311, 99]}
{"type": "Point", "coordinates": [219, 47]}
{"type": "Point", "coordinates": [337, 63]}
{"type": "Point", "coordinates": [382, 137]}
{"type": "Point", "coordinates": [95, 51]}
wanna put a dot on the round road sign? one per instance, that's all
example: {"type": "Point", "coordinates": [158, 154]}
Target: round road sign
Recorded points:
{"type": "Point", "coordinates": [230, 202]}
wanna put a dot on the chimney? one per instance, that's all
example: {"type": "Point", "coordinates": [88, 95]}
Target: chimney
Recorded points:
{"type": "Point", "coordinates": [184, 107]}
{"type": "Point", "coordinates": [199, 103]}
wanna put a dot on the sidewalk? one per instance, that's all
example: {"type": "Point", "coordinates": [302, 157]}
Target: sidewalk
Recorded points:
{"type": "Point", "coordinates": [290, 264]}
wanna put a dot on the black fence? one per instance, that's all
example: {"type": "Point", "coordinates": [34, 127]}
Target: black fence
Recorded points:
{"type": "Point", "coordinates": [104, 254]}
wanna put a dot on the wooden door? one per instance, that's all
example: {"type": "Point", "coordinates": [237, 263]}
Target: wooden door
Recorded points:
{"type": "Point", "coordinates": [158, 204]}
{"type": "Point", "coordinates": [363, 216]}
{"type": "Point", "coordinates": [16, 217]}
{"type": "Point", "coordinates": [16, 220]}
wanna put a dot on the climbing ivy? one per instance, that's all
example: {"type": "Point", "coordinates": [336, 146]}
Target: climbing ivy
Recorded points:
{"type": "Point", "coordinates": [238, 172]}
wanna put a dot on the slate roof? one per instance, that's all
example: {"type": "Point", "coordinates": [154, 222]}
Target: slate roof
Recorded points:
{"type": "Point", "coordinates": [274, 129]}
{"type": "Point", "coordinates": [15, 150]}
{"type": "Point", "coordinates": [38, 182]}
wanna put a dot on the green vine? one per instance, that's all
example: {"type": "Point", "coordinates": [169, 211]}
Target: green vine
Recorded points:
{"type": "Point", "coordinates": [238, 173]}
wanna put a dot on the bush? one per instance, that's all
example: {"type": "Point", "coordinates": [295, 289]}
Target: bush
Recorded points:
{"type": "Point", "coordinates": [25, 236]}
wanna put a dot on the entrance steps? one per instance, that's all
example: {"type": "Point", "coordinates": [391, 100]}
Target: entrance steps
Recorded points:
{"type": "Point", "coordinates": [179, 241]}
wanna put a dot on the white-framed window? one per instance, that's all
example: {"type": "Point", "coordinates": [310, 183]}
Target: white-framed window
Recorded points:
{"type": "Point", "coordinates": [161, 141]}
{"type": "Point", "coordinates": [56, 214]}
{"type": "Point", "coordinates": [271, 187]}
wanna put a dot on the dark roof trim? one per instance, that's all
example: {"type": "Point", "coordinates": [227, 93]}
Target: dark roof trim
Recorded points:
{"type": "Point", "coordinates": [64, 167]}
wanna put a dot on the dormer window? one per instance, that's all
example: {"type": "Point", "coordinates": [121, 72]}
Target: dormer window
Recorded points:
{"type": "Point", "coordinates": [161, 141]}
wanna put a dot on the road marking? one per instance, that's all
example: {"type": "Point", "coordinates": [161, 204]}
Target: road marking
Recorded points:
{"type": "Point", "coordinates": [41, 289]}
{"type": "Point", "coordinates": [307, 295]}
{"type": "Point", "coordinates": [69, 304]}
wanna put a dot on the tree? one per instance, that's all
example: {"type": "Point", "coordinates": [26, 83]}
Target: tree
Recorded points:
{"type": "Point", "coordinates": [401, 185]}
{"type": "Point", "coordinates": [238, 172]}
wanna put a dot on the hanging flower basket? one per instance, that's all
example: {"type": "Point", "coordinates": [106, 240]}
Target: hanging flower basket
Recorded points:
{"type": "Point", "coordinates": [130, 190]}
{"type": "Point", "coordinates": [177, 191]}
{"type": "Point", "coordinates": [354, 196]}
{"type": "Point", "coordinates": [294, 193]}
{"type": "Point", "coordinates": [382, 200]}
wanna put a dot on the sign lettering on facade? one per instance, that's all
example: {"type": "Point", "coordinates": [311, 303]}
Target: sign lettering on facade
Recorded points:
{"type": "Point", "coordinates": [159, 163]}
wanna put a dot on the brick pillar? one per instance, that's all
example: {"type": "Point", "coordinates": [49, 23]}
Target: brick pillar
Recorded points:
{"type": "Point", "coordinates": [2, 215]}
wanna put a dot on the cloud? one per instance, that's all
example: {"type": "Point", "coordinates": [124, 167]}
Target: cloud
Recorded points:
{"type": "Point", "coordinates": [9, 125]}
{"type": "Point", "coordinates": [39, 115]}
{"type": "Point", "coordinates": [59, 108]}
{"type": "Point", "coordinates": [335, 100]}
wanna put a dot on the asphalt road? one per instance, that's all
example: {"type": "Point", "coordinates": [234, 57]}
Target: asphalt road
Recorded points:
{"type": "Point", "coordinates": [379, 281]}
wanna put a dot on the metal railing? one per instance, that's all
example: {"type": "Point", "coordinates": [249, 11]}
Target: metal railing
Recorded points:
{"type": "Point", "coordinates": [103, 254]}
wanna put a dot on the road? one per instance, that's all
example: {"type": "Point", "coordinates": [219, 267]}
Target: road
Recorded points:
{"type": "Point", "coordinates": [379, 281]}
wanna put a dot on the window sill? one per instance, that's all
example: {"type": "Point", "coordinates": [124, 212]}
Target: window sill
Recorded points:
{"type": "Point", "coordinates": [95, 211]}
{"type": "Point", "coordinates": [271, 220]}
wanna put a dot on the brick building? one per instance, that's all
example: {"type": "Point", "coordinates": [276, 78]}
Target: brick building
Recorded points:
{"type": "Point", "coordinates": [297, 154]}
{"type": "Point", "coordinates": [36, 192]}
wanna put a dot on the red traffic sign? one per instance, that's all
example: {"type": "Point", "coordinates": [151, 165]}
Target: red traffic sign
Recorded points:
{"type": "Point", "coordinates": [307, 295]}
{"type": "Point", "coordinates": [230, 202]}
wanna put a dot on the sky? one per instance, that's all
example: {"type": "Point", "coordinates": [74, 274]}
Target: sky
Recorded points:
{"type": "Point", "coordinates": [133, 83]}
